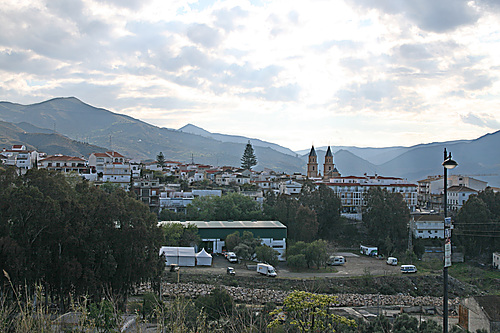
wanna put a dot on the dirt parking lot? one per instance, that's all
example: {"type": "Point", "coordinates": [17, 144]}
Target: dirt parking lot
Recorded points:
{"type": "Point", "coordinates": [356, 265]}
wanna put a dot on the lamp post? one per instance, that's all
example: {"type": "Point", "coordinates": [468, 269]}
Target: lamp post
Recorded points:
{"type": "Point", "coordinates": [447, 164]}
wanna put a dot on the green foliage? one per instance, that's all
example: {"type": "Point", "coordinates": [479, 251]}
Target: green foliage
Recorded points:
{"type": "Point", "coordinates": [78, 240]}
{"type": "Point", "coordinates": [306, 225]}
{"type": "Point", "coordinates": [405, 323]}
{"type": "Point", "coordinates": [248, 160]}
{"type": "Point", "coordinates": [314, 254]}
{"type": "Point", "coordinates": [478, 224]}
{"type": "Point", "coordinates": [160, 160]}
{"type": "Point", "coordinates": [232, 206]}
{"type": "Point", "coordinates": [267, 254]}
{"type": "Point", "coordinates": [308, 312]}
{"type": "Point", "coordinates": [180, 315]}
{"type": "Point", "coordinates": [175, 234]}
{"type": "Point", "coordinates": [168, 215]}
{"type": "Point", "coordinates": [386, 218]}
{"type": "Point", "coordinates": [244, 246]}
{"type": "Point", "coordinates": [430, 326]}
{"type": "Point", "coordinates": [316, 212]}
{"type": "Point", "coordinates": [105, 316]}
{"type": "Point", "coordinates": [217, 304]}
{"type": "Point", "coordinates": [297, 261]}
{"type": "Point", "coordinates": [109, 187]}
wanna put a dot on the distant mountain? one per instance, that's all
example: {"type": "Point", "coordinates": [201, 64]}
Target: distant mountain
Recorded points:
{"type": "Point", "coordinates": [190, 128]}
{"type": "Point", "coordinates": [137, 139]}
{"type": "Point", "coordinates": [50, 143]}
{"type": "Point", "coordinates": [477, 158]}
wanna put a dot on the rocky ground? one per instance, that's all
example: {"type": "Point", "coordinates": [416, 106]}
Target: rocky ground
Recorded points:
{"type": "Point", "coordinates": [354, 285]}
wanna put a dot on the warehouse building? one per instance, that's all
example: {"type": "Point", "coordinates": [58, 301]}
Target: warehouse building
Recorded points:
{"type": "Point", "coordinates": [214, 233]}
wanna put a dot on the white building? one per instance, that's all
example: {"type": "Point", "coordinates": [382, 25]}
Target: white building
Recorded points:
{"type": "Point", "coordinates": [427, 226]}
{"type": "Point", "coordinates": [289, 187]}
{"type": "Point", "coordinates": [496, 260]}
{"type": "Point", "coordinates": [352, 190]}
{"type": "Point", "coordinates": [20, 157]}
{"type": "Point", "coordinates": [457, 196]}
{"type": "Point", "coordinates": [64, 163]}
{"type": "Point", "coordinates": [111, 167]}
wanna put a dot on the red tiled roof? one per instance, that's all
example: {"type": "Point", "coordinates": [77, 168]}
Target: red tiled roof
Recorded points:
{"type": "Point", "coordinates": [62, 158]}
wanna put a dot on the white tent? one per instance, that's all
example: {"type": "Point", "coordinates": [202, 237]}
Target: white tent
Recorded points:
{"type": "Point", "coordinates": [203, 258]}
{"type": "Point", "coordinates": [182, 256]}
{"type": "Point", "coordinates": [187, 256]}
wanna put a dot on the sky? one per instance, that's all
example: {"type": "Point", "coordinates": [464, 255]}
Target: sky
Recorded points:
{"type": "Point", "coordinates": [297, 73]}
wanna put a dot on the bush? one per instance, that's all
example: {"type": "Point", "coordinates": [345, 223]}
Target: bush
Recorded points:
{"type": "Point", "coordinates": [297, 261]}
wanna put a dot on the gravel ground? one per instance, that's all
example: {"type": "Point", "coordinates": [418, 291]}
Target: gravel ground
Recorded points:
{"type": "Point", "coordinates": [356, 265]}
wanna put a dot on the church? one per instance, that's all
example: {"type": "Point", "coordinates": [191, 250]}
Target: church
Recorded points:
{"type": "Point", "coordinates": [329, 169]}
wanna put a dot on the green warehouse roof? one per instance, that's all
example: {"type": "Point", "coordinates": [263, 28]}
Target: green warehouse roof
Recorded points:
{"type": "Point", "coordinates": [220, 229]}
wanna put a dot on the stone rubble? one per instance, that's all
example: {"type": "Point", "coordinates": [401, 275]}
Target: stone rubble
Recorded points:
{"type": "Point", "coordinates": [262, 296]}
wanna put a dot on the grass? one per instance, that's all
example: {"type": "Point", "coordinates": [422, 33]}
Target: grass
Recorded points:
{"type": "Point", "coordinates": [485, 279]}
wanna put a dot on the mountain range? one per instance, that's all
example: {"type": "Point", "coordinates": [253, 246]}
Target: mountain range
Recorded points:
{"type": "Point", "coordinates": [72, 127]}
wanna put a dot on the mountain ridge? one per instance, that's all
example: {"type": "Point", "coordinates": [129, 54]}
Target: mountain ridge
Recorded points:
{"type": "Point", "coordinates": [137, 139]}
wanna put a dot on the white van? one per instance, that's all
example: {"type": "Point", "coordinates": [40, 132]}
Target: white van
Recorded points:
{"type": "Point", "coordinates": [336, 260]}
{"type": "Point", "coordinates": [232, 257]}
{"type": "Point", "coordinates": [408, 269]}
{"type": "Point", "coordinates": [266, 269]}
{"type": "Point", "coordinates": [392, 261]}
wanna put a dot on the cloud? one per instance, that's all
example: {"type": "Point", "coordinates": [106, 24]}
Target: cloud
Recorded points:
{"type": "Point", "coordinates": [477, 80]}
{"type": "Point", "coordinates": [204, 35]}
{"type": "Point", "coordinates": [228, 18]}
{"type": "Point", "coordinates": [430, 15]}
{"type": "Point", "coordinates": [481, 120]}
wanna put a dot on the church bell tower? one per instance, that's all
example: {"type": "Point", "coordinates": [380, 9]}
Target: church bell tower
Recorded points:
{"type": "Point", "coordinates": [312, 164]}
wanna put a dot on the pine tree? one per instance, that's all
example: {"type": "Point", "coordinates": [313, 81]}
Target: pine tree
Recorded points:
{"type": "Point", "coordinates": [160, 160]}
{"type": "Point", "coordinates": [248, 160]}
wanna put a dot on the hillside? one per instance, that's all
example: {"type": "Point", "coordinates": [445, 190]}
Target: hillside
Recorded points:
{"type": "Point", "coordinates": [137, 139]}
{"type": "Point", "coordinates": [50, 143]}
{"type": "Point", "coordinates": [190, 128]}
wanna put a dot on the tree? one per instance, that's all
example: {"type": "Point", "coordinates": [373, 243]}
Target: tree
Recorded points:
{"type": "Point", "coordinates": [244, 246]}
{"type": "Point", "coordinates": [477, 226]}
{"type": "Point", "coordinates": [308, 312]}
{"type": "Point", "coordinates": [160, 160]}
{"type": "Point", "coordinates": [175, 234]}
{"type": "Point", "coordinates": [312, 254]}
{"type": "Point", "coordinates": [248, 160]}
{"type": "Point", "coordinates": [75, 239]}
{"type": "Point", "coordinates": [232, 206]}
{"type": "Point", "coordinates": [267, 254]}
{"type": "Point", "coordinates": [306, 226]}
{"type": "Point", "coordinates": [217, 304]}
{"type": "Point", "coordinates": [405, 323]}
{"type": "Point", "coordinates": [386, 215]}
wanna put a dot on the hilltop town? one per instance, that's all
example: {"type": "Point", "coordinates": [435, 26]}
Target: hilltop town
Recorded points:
{"type": "Point", "coordinates": [169, 189]}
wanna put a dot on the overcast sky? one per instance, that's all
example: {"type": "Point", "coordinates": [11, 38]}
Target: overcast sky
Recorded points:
{"type": "Point", "coordinates": [353, 72]}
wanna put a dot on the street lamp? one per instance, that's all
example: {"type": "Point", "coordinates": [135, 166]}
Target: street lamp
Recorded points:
{"type": "Point", "coordinates": [447, 164]}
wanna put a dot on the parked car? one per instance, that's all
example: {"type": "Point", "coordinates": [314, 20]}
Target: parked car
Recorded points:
{"type": "Point", "coordinates": [392, 261]}
{"type": "Point", "coordinates": [232, 257]}
{"type": "Point", "coordinates": [336, 260]}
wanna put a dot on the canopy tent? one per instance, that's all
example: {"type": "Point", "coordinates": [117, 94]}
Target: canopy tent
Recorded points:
{"type": "Point", "coordinates": [203, 258]}
{"type": "Point", "coordinates": [182, 256]}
